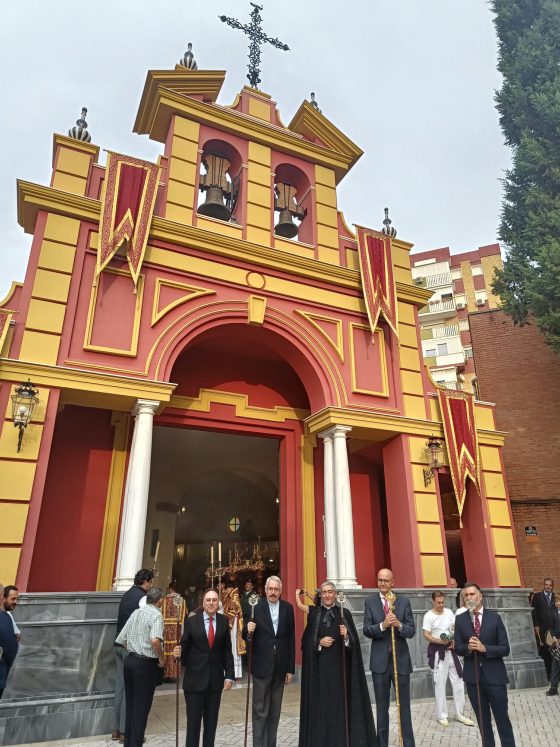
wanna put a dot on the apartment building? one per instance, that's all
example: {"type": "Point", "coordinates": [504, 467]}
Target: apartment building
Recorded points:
{"type": "Point", "coordinates": [461, 285]}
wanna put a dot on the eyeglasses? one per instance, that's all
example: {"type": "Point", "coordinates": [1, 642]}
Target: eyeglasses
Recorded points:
{"type": "Point", "coordinates": [383, 581]}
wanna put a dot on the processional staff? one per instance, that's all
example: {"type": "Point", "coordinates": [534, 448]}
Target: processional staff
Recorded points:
{"type": "Point", "coordinates": [391, 598]}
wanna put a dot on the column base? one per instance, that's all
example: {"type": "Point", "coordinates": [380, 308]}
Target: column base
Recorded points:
{"type": "Point", "coordinates": [347, 583]}
{"type": "Point", "coordinates": [123, 584]}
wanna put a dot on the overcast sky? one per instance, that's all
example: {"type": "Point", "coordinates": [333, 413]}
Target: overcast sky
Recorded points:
{"type": "Point", "coordinates": [410, 81]}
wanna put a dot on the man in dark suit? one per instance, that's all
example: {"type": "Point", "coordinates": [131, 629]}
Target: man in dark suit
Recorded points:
{"type": "Point", "coordinates": [271, 635]}
{"type": "Point", "coordinates": [554, 629]}
{"type": "Point", "coordinates": [378, 622]}
{"type": "Point", "coordinates": [8, 637]}
{"type": "Point", "coordinates": [542, 604]}
{"type": "Point", "coordinates": [480, 636]}
{"type": "Point", "coordinates": [206, 654]}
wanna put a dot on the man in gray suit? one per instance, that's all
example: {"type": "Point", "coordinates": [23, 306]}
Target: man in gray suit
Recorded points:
{"type": "Point", "coordinates": [378, 621]}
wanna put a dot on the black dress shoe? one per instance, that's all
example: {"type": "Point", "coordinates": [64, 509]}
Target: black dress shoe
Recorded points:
{"type": "Point", "coordinates": [552, 692]}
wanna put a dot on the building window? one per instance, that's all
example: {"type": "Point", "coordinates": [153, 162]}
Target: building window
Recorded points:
{"type": "Point", "coordinates": [430, 352]}
{"type": "Point", "coordinates": [476, 269]}
{"type": "Point", "coordinates": [456, 273]}
{"type": "Point", "coordinates": [447, 296]}
{"type": "Point", "coordinates": [480, 297]}
{"type": "Point", "coordinates": [442, 348]}
{"type": "Point", "coordinates": [468, 353]}
{"type": "Point", "coordinates": [463, 325]}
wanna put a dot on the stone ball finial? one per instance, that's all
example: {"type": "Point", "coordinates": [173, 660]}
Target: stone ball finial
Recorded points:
{"type": "Point", "coordinates": [388, 229]}
{"type": "Point", "coordinates": [187, 60]}
{"type": "Point", "coordinates": [79, 131]}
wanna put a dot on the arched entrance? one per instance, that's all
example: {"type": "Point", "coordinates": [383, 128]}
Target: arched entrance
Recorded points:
{"type": "Point", "coordinates": [227, 462]}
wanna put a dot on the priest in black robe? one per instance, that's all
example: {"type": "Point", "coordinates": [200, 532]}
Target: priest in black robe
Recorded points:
{"type": "Point", "coordinates": [326, 639]}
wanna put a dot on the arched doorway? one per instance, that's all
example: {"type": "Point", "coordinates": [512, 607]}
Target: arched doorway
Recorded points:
{"type": "Point", "coordinates": [226, 462]}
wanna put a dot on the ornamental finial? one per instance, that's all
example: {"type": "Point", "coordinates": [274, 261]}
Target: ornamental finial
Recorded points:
{"type": "Point", "coordinates": [79, 131]}
{"type": "Point", "coordinates": [187, 60]}
{"type": "Point", "coordinates": [388, 229]}
{"type": "Point", "coordinates": [313, 102]}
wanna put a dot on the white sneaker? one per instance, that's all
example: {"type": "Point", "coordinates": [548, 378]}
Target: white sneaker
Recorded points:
{"type": "Point", "coordinates": [464, 720]}
{"type": "Point", "coordinates": [443, 722]}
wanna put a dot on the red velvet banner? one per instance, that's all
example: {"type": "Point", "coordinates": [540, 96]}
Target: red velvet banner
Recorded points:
{"type": "Point", "coordinates": [5, 318]}
{"type": "Point", "coordinates": [127, 206]}
{"type": "Point", "coordinates": [376, 270]}
{"type": "Point", "coordinates": [457, 412]}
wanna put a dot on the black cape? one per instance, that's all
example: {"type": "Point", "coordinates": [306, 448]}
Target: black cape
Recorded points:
{"type": "Point", "coordinates": [322, 719]}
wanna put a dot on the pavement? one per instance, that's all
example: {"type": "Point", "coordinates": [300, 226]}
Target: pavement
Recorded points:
{"type": "Point", "coordinates": [535, 718]}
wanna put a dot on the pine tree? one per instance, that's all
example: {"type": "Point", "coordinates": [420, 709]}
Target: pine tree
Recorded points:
{"type": "Point", "coordinates": [529, 107]}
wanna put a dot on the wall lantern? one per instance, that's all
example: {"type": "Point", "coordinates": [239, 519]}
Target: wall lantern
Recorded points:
{"type": "Point", "coordinates": [23, 404]}
{"type": "Point", "coordinates": [180, 551]}
{"type": "Point", "coordinates": [434, 458]}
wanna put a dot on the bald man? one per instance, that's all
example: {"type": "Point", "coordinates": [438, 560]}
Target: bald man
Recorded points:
{"type": "Point", "coordinates": [379, 621]}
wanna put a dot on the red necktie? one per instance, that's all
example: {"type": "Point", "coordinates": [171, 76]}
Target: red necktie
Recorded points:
{"type": "Point", "coordinates": [211, 632]}
{"type": "Point", "coordinates": [477, 624]}
{"type": "Point", "coordinates": [386, 606]}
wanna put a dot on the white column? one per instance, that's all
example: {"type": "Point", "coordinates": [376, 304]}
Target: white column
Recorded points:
{"type": "Point", "coordinates": [346, 577]}
{"type": "Point", "coordinates": [133, 524]}
{"type": "Point", "coordinates": [330, 512]}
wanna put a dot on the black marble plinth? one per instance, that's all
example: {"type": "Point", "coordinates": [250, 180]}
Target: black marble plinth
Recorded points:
{"type": "Point", "coordinates": [62, 682]}
{"type": "Point", "coordinates": [525, 668]}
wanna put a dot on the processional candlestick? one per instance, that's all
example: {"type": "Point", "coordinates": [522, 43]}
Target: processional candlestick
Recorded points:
{"type": "Point", "coordinates": [257, 36]}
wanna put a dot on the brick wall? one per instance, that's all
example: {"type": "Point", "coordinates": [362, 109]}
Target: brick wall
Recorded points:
{"type": "Point", "coordinates": [519, 372]}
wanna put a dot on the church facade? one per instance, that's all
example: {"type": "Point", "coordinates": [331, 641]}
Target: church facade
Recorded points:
{"type": "Point", "coordinates": [244, 313]}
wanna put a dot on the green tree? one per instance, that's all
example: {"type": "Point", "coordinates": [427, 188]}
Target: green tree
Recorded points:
{"type": "Point", "coordinates": [529, 107]}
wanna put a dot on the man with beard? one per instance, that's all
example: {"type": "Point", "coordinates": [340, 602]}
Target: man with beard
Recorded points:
{"type": "Point", "coordinates": [328, 705]}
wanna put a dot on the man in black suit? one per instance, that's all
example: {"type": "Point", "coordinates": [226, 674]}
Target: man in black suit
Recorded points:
{"type": "Point", "coordinates": [542, 604]}
{"type": "Point", "coordinates": [271, 634]}
{"type": "Point", "coordinates": [480, 636]}
{"type": "Point", "coordinates": [378, 622]}
{"type": "Point", "coordinates": [206, 654]}
{"type": "Point", "coordinates": [554, 629]}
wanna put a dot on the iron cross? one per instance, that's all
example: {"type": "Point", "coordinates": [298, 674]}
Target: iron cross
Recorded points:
{"type": "Point", "coordinates": [255, 33]}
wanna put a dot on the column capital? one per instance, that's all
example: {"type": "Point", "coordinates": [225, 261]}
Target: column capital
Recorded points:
{"type": "Point", "coordinates": [335, 431]}
{"type": "Point", "coordinates": [145, 407]}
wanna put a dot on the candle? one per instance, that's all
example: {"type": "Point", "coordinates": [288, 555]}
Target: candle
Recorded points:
{"type": "Point", "coordinates": [212, 554]}
{"type": "Point", "coordinates": [219, 552]}
{"type": "Point", "coordinates": [157, 552]}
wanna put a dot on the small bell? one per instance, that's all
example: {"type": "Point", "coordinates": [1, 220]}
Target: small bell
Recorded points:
{"type": "Point", "coordinates": [217, 188]}
{"type": "Point", "coordinates": [286, 204]}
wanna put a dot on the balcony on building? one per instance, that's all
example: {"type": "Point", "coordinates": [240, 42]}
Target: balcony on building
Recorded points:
{"type": "Point", "coordinates": [443, 308]}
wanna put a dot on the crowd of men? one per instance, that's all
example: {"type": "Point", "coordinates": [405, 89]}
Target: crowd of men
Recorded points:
{"type": "Point", "coordinates": [155, 636]}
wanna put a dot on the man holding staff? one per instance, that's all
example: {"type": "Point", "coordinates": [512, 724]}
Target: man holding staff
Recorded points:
{"type": "Point", "coordinates": [480, 636]}
{"type": "Point", "coordinates": [379, 624]}
{"type": "Point", "coordinates": [205, 652]}
{"type": "Point", "coordinates": [335, 709]}
{"type": "Point", "coordinates": [272, 660]}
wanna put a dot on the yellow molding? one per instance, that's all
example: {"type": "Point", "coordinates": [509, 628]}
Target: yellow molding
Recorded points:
{"type": "Point", "coordinates": [181, 80]}
{"type": "Point", "coordinates": [125, 388]}
{"type": "Point", "coordinates": [155, 121]}
{"type": "Point", "coordinates": [256, 308]}
{"type": "Point", "coordinates": [192, 292]}
{"type": "Point", "coordinates": [13, 287]}
{"type": "Point", "coordinates": [68, 142]}
{"type": "Point", "coordinates": [34, 197]}
{"type": "Point", "coordinates": [208, 397]}
{"type": "Point", "coordinates": [121, 423]}
{"type": "Point", "coordinates": [133, 349]}
{"type": "Point", "coordinates": [365, 422]}
{"type": "Point", "coordinates": [382, 360]}
{"type": "Point", "coordinates": [315, 319]}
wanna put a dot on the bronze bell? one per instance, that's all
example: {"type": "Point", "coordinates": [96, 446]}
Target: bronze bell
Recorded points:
{"type": "Point", "coordinates": [286, 203]}
{"type": "Point", "coordinates": [217, 188]}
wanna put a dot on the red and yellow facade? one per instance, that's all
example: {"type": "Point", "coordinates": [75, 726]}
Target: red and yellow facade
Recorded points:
{"type": "Point", "coordinates": [229, 328]}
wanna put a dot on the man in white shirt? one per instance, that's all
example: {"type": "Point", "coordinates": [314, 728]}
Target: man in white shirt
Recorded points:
{"type": "Point", "coordinates": [438, 629]}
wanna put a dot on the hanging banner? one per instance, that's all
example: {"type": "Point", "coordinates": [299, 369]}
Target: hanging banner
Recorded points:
{"type": "Point", "coordinates": [5, 319]}
{"type": "Point", "coordinates": [127, 206]}
{"type": "Point", "coordinates": [457, 412]}
{"type": "Point", "coordinates": [376, 270]}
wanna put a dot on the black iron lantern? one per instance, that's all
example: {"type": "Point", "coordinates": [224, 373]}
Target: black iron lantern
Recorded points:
{"type": "Point", "coordinates": [434, 458]}
{"type": "Point", "coordinates": [23, 403]}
